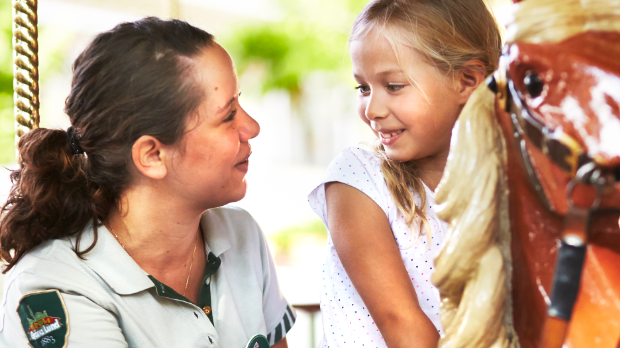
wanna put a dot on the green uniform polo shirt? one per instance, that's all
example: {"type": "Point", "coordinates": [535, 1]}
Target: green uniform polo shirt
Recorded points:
{"type": "Point", "coordinates": [107, 300]}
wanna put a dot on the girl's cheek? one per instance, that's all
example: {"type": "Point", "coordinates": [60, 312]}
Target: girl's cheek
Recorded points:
{"type": "Point", "coordinates": [364, 118]}
{"type": "Point", "coordinates": [361, 111]}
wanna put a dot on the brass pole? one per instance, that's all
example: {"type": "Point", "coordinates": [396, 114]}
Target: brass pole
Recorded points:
{"type": "Point", "coordinates": [25, 66]}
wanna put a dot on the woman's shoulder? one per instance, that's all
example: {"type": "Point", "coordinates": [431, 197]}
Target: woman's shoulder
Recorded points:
{"type": "Point", "coordinates": [51, 265]}
{"type": "Point", "coordinates": [57, 253]}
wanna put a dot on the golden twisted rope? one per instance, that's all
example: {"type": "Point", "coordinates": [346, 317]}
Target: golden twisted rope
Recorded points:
{"type": "Point", "coordinates": [25, 66]}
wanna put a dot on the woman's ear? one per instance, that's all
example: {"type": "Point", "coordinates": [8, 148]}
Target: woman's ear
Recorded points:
{"type": "Point", "coordinates": [469, 77]}
{"type": "Point", "coordinates": [148, 155]}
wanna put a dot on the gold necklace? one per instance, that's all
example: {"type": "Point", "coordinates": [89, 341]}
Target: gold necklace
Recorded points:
{"type": "Point", "coordinates": [190, 264]}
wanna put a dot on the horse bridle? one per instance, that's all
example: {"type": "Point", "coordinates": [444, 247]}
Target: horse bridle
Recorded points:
{"type": "Point", "coordinates": [567, 154]}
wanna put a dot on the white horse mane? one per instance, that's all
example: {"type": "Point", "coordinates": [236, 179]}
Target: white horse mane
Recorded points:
{"type": "Point", "coordinates": [544, 21]}
{"type": "Point", "coordinates": [473, 266]}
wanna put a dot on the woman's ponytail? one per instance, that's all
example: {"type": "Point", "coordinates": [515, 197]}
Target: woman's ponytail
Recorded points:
{"type": "Point", "coordinates": [50, 197]}
{"type": "Point", "coordinates": [136, 79]}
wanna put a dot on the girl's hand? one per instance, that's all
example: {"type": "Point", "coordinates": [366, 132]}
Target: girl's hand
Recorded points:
{"type": "Point", "coordinates": [364, 241]}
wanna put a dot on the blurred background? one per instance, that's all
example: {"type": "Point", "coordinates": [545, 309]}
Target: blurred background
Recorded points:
{"type": "Point", "coordinates": [295, 74]}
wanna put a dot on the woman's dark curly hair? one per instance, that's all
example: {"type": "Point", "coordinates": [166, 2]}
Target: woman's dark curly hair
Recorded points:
{"type": "Point", "coordinates": [136, 79]}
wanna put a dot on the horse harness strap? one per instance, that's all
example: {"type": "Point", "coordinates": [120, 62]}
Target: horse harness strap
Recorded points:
{"type": "Point", "coordinates": [570, 259]}
{"type": "Point", "coordinates": [558, 146]}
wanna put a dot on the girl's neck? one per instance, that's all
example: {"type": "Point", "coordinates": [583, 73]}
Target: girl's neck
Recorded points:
{"type": "Point", "coordinates": [430, 169]}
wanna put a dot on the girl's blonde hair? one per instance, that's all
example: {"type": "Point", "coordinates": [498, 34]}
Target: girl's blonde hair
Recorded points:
{"type": "Point", "coordinates": [448, 34]}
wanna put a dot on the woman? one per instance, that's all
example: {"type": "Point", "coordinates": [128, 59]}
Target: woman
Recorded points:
{"type": "Point", "coordinates": [112, 229]}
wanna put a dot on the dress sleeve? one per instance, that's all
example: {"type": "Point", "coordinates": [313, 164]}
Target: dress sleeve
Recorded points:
{"type": "Point", "coordinates": [279, 315]}
{"type": "Point", "coordinates": [50, 318]}
{"type": "Point", "coordinates": [357, 168]}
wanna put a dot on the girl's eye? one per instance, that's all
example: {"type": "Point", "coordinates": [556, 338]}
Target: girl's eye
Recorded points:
{"type": "Point", "coordinates": [363, 89]}
{"type": "Point", "coordinates": [394, 87]}
{"type": "Point", "coordinates": [231, 116]}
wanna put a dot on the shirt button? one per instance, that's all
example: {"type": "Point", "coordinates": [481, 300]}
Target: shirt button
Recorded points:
{"type": "Point", "coordinates": [207, 310]}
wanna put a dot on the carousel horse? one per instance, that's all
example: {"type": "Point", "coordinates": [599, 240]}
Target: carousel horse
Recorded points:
{"type": "Point", "coordinates": [531, 189]}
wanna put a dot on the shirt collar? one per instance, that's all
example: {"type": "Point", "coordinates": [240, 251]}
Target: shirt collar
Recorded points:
{"type": "Point", "coordinates": [112, 263]}
{"type": "Point", "coordinates": [215, 231]}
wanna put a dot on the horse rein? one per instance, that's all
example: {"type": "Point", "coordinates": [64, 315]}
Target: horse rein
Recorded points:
{"type": "Point", "coordinates": [567, 154]}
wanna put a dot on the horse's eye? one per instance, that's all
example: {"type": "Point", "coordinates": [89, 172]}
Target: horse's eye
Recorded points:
{"type": "Point", "coordinates": [533, 84]}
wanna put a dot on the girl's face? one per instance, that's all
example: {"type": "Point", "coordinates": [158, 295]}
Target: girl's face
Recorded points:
{"type": "Point", "coordinates": [213, 157]}
{"type": "Point", "coordinates": [412, 121]}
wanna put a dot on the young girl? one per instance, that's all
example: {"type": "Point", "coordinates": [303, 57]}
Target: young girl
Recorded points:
{"type": "Point", "coordinates": [416, 63]}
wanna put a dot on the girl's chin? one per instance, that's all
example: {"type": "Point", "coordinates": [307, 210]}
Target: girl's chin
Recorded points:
{"type": "Point", "coordinates": [398, 155]}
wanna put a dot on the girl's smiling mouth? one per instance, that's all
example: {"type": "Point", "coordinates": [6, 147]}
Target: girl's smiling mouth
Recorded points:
{"type": "Point", "coordinates": [389, 137]}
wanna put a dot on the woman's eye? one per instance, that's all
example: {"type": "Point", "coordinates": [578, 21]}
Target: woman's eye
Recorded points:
{"type": "Point", "coordinates": [394, 87]}
{"type": "Point", "coordinates": [363, 89]}
{"type": "Point", "coordinates": [231, 116]}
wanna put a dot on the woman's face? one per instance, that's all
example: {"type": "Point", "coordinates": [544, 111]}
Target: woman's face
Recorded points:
{"type": "Point", "coordinates": [209, 167]}
{"type": "Point", "coordinates": [412, 121]}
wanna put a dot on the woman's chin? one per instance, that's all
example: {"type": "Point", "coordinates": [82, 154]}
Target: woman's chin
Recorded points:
{"type": "Point", "coordinates": [239, 192]}
{"type": "Point", "coordinates": [228, 194]}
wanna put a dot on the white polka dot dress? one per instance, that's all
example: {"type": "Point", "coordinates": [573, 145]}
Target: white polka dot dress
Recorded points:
{"type": "Point", "coordinates": [346, 321]}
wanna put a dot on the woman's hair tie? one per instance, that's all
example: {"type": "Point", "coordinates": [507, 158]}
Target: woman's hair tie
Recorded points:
{"type": "Point", "coordinates": [72, 139]}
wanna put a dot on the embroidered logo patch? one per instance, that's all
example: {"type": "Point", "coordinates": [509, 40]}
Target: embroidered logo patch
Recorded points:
{"type": "Point", "coordinates": [258, 341]}
{"type": "Point", "coordinates": [44, 319]}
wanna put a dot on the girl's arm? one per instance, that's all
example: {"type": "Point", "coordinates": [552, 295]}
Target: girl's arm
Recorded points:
{"type": "Point", "coordinates": [364, 241]}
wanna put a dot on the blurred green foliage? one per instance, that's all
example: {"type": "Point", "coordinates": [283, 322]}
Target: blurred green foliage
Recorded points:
{"type": "Point", "coordinates": [312, 36]}
{"type": "Point", "coordinates": [284, 238]}
{"type": "Point", "coordinates": [7, 135]}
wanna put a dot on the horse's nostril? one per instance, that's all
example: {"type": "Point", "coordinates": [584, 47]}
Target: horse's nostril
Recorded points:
{"type": "Point", "coordinates": [533, 84]}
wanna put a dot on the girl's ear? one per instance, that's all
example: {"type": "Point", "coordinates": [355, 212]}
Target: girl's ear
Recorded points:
{"type": "Point", "coordinates": [148, 155]}
{"type": "Point", "coordinates": [468, 78]}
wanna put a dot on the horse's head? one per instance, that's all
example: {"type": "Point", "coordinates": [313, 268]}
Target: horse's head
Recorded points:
{"type": "Point", "coordinates": [534, 162]}
{"type": "Point", "coordinates": [571, 92]}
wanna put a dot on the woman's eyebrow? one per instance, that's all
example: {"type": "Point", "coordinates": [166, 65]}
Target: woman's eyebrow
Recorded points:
{"type": "Point", "coordinates": [220, 109]}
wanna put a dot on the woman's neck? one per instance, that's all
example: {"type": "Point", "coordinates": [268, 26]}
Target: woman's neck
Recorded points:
{"type": "Point", "coordinates": [160, 234]}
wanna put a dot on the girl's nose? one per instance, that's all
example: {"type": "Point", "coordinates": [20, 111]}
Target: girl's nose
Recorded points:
{"type": "Point", "coordinates": [249, 127]}
{"type": "Point", "coordinates": [375, 108]}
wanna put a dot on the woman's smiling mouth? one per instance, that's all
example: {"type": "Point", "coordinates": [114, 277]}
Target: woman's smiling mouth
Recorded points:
{"type": "Point", "coordinates": [243, 165]}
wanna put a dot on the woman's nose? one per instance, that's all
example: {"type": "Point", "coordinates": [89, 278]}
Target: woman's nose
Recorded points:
{"type": "Point", "coordinates": [375, 107]}
{"type": "Point", "coordinates": [249, 128]}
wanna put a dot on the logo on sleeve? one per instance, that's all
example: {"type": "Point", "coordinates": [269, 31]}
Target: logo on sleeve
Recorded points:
{"type": "Point", "coordinates": [258, 341]}
{"type": "Point", "coordinates": [44, 319]}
